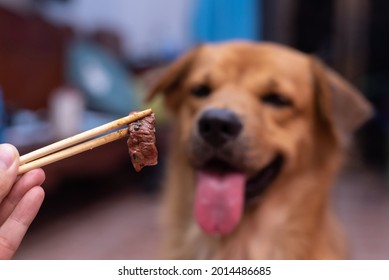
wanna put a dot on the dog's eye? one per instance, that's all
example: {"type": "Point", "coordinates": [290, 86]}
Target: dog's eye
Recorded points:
{"type": "Point", "coordinates": [276, 100]}
{"type": "Point", "coordinates": [201, 90]}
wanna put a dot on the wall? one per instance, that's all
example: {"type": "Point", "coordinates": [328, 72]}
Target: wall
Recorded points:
{"type": "Point", "coordinates": [147, 26]}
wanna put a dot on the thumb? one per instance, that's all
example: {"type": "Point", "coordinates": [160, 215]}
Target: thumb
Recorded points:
{"type": "Point", "coordinates": [9, 163]}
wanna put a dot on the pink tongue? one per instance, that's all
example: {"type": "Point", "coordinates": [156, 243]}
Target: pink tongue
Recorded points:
{"type": "Point", "coordinates": [219, 201]}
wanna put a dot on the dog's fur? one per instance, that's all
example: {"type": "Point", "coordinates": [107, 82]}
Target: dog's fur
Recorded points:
{"type": "Point", "coordinates": [291, 219]}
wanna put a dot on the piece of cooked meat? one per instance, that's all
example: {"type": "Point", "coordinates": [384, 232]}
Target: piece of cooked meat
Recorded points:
{"type": "Point", "coordinates": [141, 142]}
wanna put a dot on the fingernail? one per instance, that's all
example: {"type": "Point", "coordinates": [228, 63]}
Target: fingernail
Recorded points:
{"type": "Point", "coordinates": [7, 156]}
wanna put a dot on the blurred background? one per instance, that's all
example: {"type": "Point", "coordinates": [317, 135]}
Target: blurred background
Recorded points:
{"type": "Point", "coordinates": [70, 65]}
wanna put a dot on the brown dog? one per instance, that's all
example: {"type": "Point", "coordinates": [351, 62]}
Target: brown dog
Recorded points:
{"type": "Point", "coordinates": [258, 131]}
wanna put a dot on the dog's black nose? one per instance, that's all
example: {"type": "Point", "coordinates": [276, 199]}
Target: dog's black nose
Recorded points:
{"type": "Point", "coordinates": [218, 126]}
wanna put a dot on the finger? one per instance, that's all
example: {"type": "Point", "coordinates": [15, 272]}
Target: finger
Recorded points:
{"type": "Point", "coordinates": [9, 162]}
{"type": "Point", "coordinates": [25, 183]}
{"type": "Point", "coordinates": [15, 227]}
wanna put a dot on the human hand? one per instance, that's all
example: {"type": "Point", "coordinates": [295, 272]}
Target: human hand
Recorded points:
{"type": "Point", "coordinates": [20, 200]}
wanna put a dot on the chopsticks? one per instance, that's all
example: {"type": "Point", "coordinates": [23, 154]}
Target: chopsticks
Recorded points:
{"type": "Point", "coordinates": [67, 147]}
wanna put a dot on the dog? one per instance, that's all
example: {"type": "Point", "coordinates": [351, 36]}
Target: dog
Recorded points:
{"type": "Point", "coordinates": [258, 134]}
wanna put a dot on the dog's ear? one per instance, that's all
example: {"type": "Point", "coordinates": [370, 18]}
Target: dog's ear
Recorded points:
{"type": "Point", "coordinates": [171, 77]}
{"type": "Point", "coordinates": [339, 102]}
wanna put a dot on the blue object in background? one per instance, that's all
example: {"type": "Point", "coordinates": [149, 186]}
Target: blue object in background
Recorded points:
{"type": "Point", "coordinates": [102, 77]}
{"type": "Point", "coordinates": [220, 20]}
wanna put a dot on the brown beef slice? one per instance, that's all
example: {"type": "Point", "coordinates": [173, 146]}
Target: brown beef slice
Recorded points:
{"type": "Point", "coordinates": [141, 142]}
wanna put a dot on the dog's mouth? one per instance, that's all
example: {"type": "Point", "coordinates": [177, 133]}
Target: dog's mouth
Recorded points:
{"type": "Point", "coordinates": [257, 185]}
{"type": "Point", "coordinates": [223, 190]}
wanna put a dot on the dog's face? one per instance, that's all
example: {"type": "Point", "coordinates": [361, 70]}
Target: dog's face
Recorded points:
{"type": "Point", "coordinates": [248, 114]}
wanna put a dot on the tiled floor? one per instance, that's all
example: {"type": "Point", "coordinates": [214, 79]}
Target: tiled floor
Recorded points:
{"type": "Point", "coordinates": [125, 225]}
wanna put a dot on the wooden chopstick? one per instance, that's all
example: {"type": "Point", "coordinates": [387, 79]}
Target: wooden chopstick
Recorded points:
{"type": "Point", "coordinates": [47, 155]}
{"type": "Point", "coordinates": [89, 145]}
{"type": "Point", "coordinates": [82, 136]}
